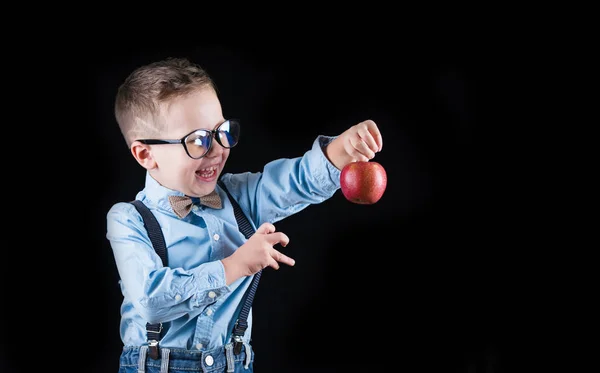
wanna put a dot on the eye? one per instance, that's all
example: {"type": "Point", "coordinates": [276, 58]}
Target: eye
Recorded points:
{"type": "Point", "coordinates": [198, 139]}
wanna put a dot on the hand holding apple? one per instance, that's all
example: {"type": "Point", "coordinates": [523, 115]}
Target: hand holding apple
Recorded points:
{"type": "Point", "coordinates": [363, 182]}
{"type": "Point", "coordinates": [358, 143]}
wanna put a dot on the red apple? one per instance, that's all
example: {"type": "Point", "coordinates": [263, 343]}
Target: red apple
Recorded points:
{"type": "Point", "coordinates": [363, 182]}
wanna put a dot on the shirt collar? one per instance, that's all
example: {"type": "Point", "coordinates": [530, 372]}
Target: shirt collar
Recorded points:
{"type": "Point", "coordinates": [157, 194]}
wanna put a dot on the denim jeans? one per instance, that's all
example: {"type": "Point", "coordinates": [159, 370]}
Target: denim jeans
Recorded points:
{"type": "Point", "coordinates": [222, 359]}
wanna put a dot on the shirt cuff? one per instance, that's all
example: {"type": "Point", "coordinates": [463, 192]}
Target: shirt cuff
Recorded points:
{"type": "Point", "coordinates": [327, 174]}
{"type": "Point", "coordinates": [212, 282]}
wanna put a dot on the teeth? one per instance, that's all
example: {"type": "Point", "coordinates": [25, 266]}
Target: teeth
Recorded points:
{"type": "Point", "coordinates": [208, 172]}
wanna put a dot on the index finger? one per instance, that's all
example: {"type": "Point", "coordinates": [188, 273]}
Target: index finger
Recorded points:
{"type": "Point", "coordinates": [265, 228]}
{"type": "Point", "coordinates": [278, 238]}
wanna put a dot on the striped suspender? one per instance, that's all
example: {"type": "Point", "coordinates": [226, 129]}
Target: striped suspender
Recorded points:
{"type": "Point", "coordinates": [153, 331]}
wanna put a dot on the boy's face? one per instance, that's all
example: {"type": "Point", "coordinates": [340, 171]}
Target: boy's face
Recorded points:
{"type": "Point", "coordinates": [174, 168]}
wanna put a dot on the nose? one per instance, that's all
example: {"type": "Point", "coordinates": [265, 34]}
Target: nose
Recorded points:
{"type": "Point", "coordinates": [216, 150]}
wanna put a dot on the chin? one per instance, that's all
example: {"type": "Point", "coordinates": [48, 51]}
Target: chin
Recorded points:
{"type": "Point", "coordinates": [202, 187]}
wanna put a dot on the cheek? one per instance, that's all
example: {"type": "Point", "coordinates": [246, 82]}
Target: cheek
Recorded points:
{"type": "Point", "coordinates": [171, 157]}
{"type": "Point", "coordinates": [185, 166]}
{"type": "Point", "coordinates": [226, 154]}
{"type": "Point", "coordinates": [182, 172]}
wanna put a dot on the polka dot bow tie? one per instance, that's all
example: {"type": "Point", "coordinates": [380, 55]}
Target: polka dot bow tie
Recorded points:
{"type": "Point", "coordinates": [182, 205]}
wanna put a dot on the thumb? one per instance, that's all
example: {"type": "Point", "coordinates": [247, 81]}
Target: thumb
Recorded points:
{"type": "Point", "coordinates": [266, 228]}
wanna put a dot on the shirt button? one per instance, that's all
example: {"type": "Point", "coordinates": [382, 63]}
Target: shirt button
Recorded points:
{"type": "Point", "coordinates": [209, 360]}
{"type": "Point", "coordinates": [216, 237]}
{"type": "Point", "coordinates": [212, 294]}
{"type": "Point", "coordinates": [208, 312]}
{"type": "Point", "coordinates": [177, 297]}
{"type": "Point", "coordinates": [199, 346]}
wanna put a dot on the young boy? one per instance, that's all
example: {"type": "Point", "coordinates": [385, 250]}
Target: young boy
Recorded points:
{"type": "Point", "coordinates": [171, 119]}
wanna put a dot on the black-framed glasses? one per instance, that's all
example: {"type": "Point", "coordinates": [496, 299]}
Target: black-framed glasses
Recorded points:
{"type": "Point", "coordinates": [198, 142]}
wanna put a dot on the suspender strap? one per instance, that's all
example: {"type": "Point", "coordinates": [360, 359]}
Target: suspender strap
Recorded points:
{"type": "Point", "coordinates": [243, 224]}
{"type": "Point", "coordinates": [242, 324]}
{"type": "Point", "coordinates": [153, 331]}
{"type": "Point", "coordinates": [154, 230]}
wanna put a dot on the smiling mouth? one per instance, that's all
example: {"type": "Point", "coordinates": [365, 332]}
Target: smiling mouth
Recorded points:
{"type": "Point", "coordinates": [207, 172]}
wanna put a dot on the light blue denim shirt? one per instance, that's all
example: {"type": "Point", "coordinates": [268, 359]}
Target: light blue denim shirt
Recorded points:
{"type": "Point", "coordinates": [190, 296]}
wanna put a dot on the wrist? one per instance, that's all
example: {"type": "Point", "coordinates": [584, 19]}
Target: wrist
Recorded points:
{"type": "Point", "coordinates": [231, 270]}
{"type": "Point", "coordinates": [230, 276]}
{"type": "Point", "coordinates": [334, 152]}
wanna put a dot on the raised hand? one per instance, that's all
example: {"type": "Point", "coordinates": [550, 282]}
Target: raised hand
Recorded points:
{"type": "Point", "coordinates": [358, 143]}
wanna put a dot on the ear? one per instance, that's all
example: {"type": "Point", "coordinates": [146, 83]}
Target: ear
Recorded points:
{"type": "Point", "coordinates": [143, 155]}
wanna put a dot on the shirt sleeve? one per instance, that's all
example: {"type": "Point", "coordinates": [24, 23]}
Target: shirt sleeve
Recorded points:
{"type": "Point", "coordinates": [286, 186]}
{"type": "Point", "coordinates": [158, 293]}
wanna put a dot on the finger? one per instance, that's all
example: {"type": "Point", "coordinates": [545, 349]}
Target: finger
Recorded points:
{"type": "Point", "coordinates": [367, 137]}
{"type": "Point", "coordinates": [360, 150]}
{"type": "Point", "coordinates": [374, 130]}
{"type": "Point", "coordinates": [266, 228]}
{"type": "Point", "coordinates": [278, 238]}
{"type": "Point", "coordinates": [273, 264]}
{"type": "Point", "coordinates": [282, 258]}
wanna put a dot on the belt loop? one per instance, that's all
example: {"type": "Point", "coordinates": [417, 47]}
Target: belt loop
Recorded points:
{"type": "Point", "coordinates": [229, 356]}
{"type": "Point", "coordinates": [248, 354]}
{"type": "Point", "coordinates": [142, 359]}
{"type": "Point", "coordinates": [164, 364]}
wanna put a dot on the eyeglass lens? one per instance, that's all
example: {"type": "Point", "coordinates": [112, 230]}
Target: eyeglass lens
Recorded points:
{"type": "Point", "coordinates": [227, 135]}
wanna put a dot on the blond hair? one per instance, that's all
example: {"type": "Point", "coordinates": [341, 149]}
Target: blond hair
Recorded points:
{"type": "Point", "coordinates": [138, 101]}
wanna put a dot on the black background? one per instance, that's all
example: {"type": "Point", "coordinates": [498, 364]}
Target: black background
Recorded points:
{"type": "Point", "coordinates": [430, 278]}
